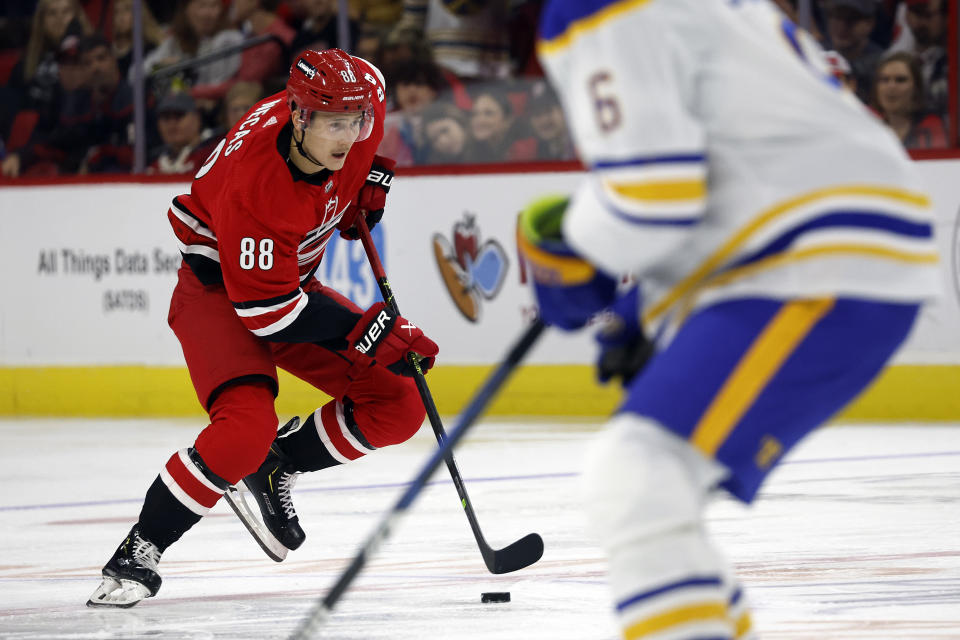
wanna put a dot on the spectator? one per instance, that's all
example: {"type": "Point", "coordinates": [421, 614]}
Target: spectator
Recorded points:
{"type": "Point", "coordinates": [468, 38]}
{"type": "Point", "coordinates": [849, 23]}
{"type": "Point", "coordinates": [260, 63]}
{"type": "Point", "coordinates": [110, 106]}
{"type": "Point", "coordinates": [445, 134]}
{"type": "Point", "coordinates": [493, 134]}
{"type": "Point", "coordinates": [926, 38]}
{"type": "Point", "coordinates": [415, 86]}
{"type": "Point", "coordinates": [548, 125]}
{"type": "Point", "coordinates": [121, 32]}
{"type": "Point", "coordinates": [240, 97]}
{"type": "Point", "coordinates": [186, 144]}
{"type": "Point", "coordinates": [96, 11]}
{"type": "Point", "coordinates": [199, 27]}
{"type": "Point", "coordinates": [259, 18]}
{"type": "Point", "coordinates": [70, 68]}
{"type": "Point", "coordinates": [319, 29]}
{"type": "Point", "coordinates": [840, 69]}
{"type": "Point", "coordinates": [93, 131]}
{"type": "Point", "coordinates": [898, 99]}
{"type": "Point", "coordinates": [376, 18]}
{"type": "Point", "coordinates": [404, 45]}
{"type": "Point", "coordinates": [45, 107]}
{"type": "Point", "coordinates": [398, 47]}
{"type": "Point", "coordinates": [35, 78]}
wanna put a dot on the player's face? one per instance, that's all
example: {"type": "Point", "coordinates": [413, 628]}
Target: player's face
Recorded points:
{"type": "Point", "coordinates": [895, 88]}
{"type": "Point", "coordinates": [330, 136]}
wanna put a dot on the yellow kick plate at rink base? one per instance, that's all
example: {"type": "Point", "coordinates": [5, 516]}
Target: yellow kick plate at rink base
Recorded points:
{"type": "Point", "coordinates": [902, 393]}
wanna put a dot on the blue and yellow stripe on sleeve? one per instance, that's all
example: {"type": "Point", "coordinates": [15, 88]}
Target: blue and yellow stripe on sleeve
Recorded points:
{"type": "Point", "coordinates": [812, 226]}
{"type": "Point", "coordinates": [668, 189]}
{"type": "Point", "coordinates": [564, 21]}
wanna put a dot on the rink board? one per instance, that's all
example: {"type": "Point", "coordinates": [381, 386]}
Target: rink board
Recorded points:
{"type": "Point", "coordinates": [88, 270]}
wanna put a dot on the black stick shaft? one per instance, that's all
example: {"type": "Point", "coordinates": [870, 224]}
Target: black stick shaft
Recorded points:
{"type": "Point", "coordinates": [322, 610]}
{"type": "Point", "coordinates": [432, 414]}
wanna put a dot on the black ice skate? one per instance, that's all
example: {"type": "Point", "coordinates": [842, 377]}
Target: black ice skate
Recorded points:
{"type": "Point", "coordinates": [278, 529]}
{"type": "Point", "coordinates": [130, 575]}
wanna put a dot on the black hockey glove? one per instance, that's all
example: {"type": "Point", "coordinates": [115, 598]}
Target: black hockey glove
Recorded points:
{"type": "Point", "coordinates": [385, 338]}
{"type": "Point", "coordinates": [371, 199]}
{"type": "Point", "coordinates": [624, 349]}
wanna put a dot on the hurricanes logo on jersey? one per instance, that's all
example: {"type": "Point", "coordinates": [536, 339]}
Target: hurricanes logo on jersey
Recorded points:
{"type": "Point", "coordinates": [331, 206]}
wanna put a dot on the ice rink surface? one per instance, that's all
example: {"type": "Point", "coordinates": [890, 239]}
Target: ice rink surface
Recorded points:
{"type": "Point", "coordinates": [855, 536]}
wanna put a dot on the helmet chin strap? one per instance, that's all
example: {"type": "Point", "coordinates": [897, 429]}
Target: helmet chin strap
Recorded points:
{"type": "Point", "coordinates": [306, 154]}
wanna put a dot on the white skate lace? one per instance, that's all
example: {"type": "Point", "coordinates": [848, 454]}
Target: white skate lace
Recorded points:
{"type": "Point", "coordinates": [145, 553]}
{"type": "Point", "coordinates": [284, 487]}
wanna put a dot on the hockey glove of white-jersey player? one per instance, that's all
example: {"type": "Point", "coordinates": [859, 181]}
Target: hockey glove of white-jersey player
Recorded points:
{"type": "Point", "coordinates": [371, 199]}
{"type": "Point", "coordinates": [624, 349]}
{"type": "Point", "coordinates": [385, 338]}
{"type": "Point", "coordinates": [569, 290]}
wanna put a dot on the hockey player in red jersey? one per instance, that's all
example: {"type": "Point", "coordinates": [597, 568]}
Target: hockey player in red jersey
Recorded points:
{"type": "Point", "coordinates": [252, 232]}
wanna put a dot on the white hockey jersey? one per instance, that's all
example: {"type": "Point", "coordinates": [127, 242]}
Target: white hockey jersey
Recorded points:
{"type": "Point", "coordinates": [726, 162]}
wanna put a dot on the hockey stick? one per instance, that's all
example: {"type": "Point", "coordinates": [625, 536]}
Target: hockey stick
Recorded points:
{"type": "Point", "coordinates": [517, 555]}
{"type": "Point", "coordinates": [322, 610]}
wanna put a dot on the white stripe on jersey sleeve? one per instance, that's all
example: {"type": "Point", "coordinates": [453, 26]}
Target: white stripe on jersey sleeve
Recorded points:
{"type": "Point", "coordinates": [252, 312]}
{"type": "Point", "coordinates": [199, 249]}
{"type": "Point", "coordinates": [285, 321]}
{"type": "Point", "coordinates": [194, 224]}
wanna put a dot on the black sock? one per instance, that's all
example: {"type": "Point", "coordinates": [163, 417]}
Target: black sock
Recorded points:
{"type": "Point", "coordinates": [163, 518]}
{"type": "Point", "coordinates": [305, 449]}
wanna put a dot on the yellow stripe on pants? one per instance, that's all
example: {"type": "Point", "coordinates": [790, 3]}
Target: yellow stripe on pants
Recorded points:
{"type": "Point", "coordinates": [761, 362]}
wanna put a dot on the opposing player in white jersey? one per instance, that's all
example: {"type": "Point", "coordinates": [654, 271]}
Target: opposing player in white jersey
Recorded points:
{"type": "Point", "coordinates": [783, 246]}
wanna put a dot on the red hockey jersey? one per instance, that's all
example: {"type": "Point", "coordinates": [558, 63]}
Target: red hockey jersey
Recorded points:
{"type": "Point", "coordinates": [255, 222]}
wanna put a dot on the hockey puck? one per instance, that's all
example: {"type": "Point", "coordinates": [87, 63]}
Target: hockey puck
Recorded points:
{"type": "Point", "coordinates": [495, 596]}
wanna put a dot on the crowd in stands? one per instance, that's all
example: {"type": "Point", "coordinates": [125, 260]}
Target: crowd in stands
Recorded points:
{"type": "Point", "coordinates": [893, 55]}
{"type": "Point", "coordinates": [464, 84]}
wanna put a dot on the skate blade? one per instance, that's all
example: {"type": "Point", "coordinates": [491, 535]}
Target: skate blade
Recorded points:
{"type": "Point", "coordinates": [121, 594]}
{"type": "Point", "coordinates": [251, 520]}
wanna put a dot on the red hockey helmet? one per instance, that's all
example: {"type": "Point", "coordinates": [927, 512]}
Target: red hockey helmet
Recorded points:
{"type": "Point", "coordinates": [330, 81]}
